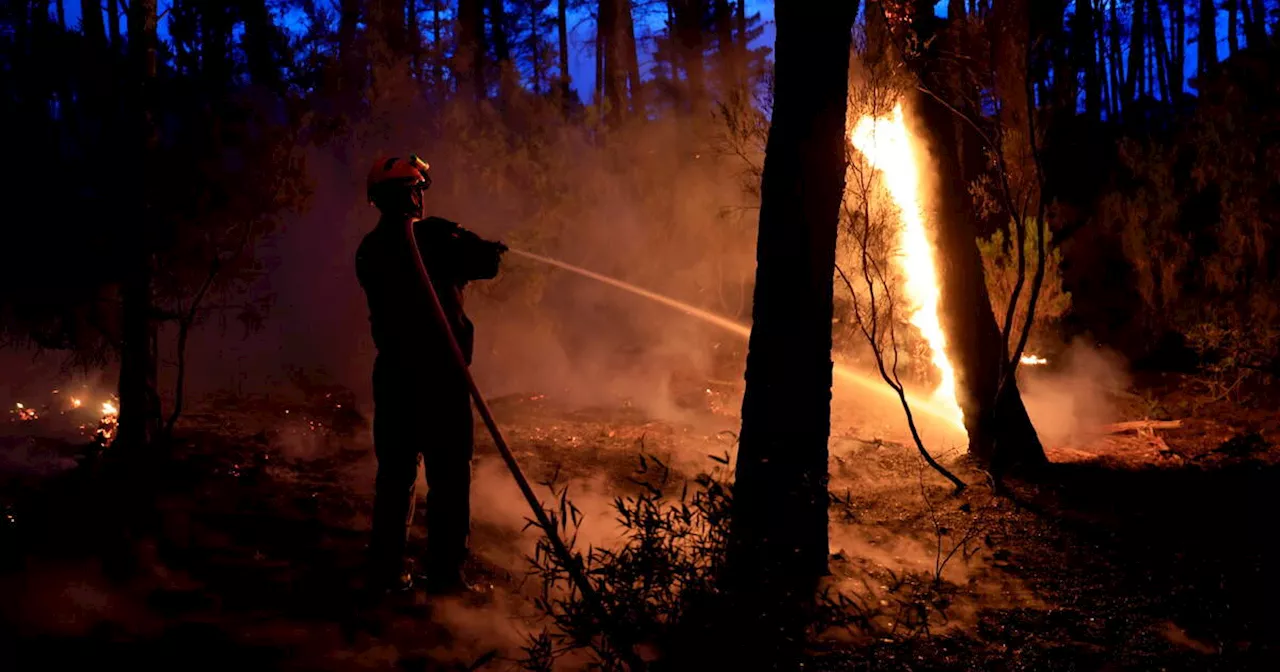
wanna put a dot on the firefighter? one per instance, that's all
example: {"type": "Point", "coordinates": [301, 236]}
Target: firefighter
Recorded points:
{"type": "Point", "coordinates": [422, 405]}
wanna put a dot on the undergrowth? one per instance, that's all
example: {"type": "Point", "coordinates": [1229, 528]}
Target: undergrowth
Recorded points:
{"type": "Point", "coordinates": [660, 587]}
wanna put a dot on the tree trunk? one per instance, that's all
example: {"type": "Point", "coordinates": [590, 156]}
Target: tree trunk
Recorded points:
{"type": "Point", "coordinates": [500, 36]}
{"type": "Point", "coordinates": [113, 22]}
{"type": "Point", "coordinates": [562, 34]}
{"type": "Point", "coordinates": [62, 15]}
{"type": "Point", "coordinates": [139, 408]}
{"type": "Point", "coordinates": [779, 542]}
{"type": "Point", "coordinates": [613, 75]}
{"type": "Point", "coordinates": [726, 48]}
{"type": "Point", "coordinates": [215, 28]}
{"type": "Point", "coordinates": [1120, 86]}
{"type": "Point", "coordinates": [1255, 23]}
{"type": "Point", "coordinates": [1001, 435]}
{"type": "Point", "coordinates": [1134, 86]}
{"type": "Point", "coordinates": [1161, 52]}
{"type": "Point", "coordinates": [687, 42]}
{"type": "Point", "coordinates": [1177, 47]}
{"type": "Point", "coordinates": [1085, 40]}
{"type": "Point", "coordinates": [1233, 26]}
{"type": "Point", "coordinates": [259, 34]}
{"type": "Point", "coordinates": [352, 60]}
{"type": "Point", "coordinates": [469, 56]}
{"type": "Point", "coordinates": [632, 57]}
{"type": "Point", "coordinates": [1207, 39]}
{"type": "Point", "coordinates": [91, 23]}
{"type": "Point", "coordinates": [413, 36]}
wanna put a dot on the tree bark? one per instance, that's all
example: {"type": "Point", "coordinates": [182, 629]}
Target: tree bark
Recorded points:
{"type": "Point", "coordinates": [139, 408]}
{"type": "Point", "coordinates": [1135, 84]}
{"type": "Point", "coordinates": [1001, 435]}
{"type": "Point", "coordinates": [1207, 38]}
{"type": "Point", "coordinates": [469, 56]}
{"type": "Point", "coordinates": [632, 56]}
{"type": "Point", "coordinates": [113, 22]}
{"type": "Point", "coordinates": [259, 35]}
{"type": "Point", "coordinates": [351, 59]}
{"type": "Point", "coordinates": [1233, 26]}
{"type": "Point", "coordinates": [562, 34]}
{"type": "Point", "coordinates": [779, 542]}
{"type": "Point", "coordinates": [215, 29]}
{"type": "Point", "coordinates": [413, 36]}
{"type": "Point", "coordinates": [1085, 39]}
{"type": "Point", "coordinates": [687, 42]}
{"type": "Point", "coordinates": [1164, 77]}
{"type": "Point", "coordinates": [1120, 91]}
{"type": "Point", "coordinates": [1255, 23]}
{"type": "Point", "coordinates": [1177, 47]}
{"type": "Point", "coordinates": [91, 23]}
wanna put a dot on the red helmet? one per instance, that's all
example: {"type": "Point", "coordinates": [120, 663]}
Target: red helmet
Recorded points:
{"type": "Point", "coordinates": [408, 172]}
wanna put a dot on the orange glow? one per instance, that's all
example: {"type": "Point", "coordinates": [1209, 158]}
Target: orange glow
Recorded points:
{"type": "Point", "coordinates": [890, 148]}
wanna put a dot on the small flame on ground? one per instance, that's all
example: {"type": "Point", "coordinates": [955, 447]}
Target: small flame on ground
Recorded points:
{"type": "Point", "coordinates": [1033, 360]}
{"type": "Point", "coordinates": [889, 147]}
{"type": "Point", "coordinates": [25, 414]}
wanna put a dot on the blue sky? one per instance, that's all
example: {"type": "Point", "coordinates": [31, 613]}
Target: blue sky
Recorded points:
{"type": "Point", "coordinates": [582, 63]}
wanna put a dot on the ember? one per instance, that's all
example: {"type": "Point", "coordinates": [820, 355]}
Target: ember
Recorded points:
{"type": "Point", "coordinates": [25, 414]}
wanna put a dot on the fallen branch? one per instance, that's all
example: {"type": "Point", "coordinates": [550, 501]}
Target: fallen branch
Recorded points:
{"type": "Point", "coordinates": [1139, 425]}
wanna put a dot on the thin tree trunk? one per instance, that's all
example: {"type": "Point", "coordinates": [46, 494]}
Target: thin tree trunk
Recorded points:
{"type": "Point", "coordinates": [500, 37]}
{"type": "Point", "coordinates": [1085, 40]}
{"type": "Point", "coordinates": [215, 63]}
{"type": "Point", "coordinates": [259, 33]}
{"type": "Point", "coordinates": [632, 56]}
{"type": "Point", "coordinates": [562, 35]}
{"type": "Point", "coordinates": [1120, 87]}
{"type": "Point", "coordinates": [469, 56]}
{"type": "Point", "coordinates": [1161, 52]}
{"type": "Point", "coordinates": [413, 36]}
{"type": "Point", "coordinates": [1207, 38]}
{"type": "Point", "coordinates": [1233, 26]}
{"type": "Point", "coordinates": [1177, 46]}
{"type": "Point", "coordinates": [139, 408]}
{"type": "Point", "coordinates": [351, 59]}
{"type": "Point", "coordinates": [91, 23]}
{"type": "Point", "coordinates": [437, 48]}
{"type": "Point", "coordinates": [779, 541]}
{"type": "Point", "coordinates": [612, 84]}
{"type": "Point", "coordinates": [1255, 23]}
{"type": "Point", "coordinates": [62, 15]}
{"type": "Point", "coordinates": [113, 22]}
{"type": "Point", "coordinates": [1137, 50]}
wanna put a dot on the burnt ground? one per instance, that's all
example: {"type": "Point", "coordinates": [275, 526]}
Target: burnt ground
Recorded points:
{"type": "Point", "coordinates": [1147, 551]}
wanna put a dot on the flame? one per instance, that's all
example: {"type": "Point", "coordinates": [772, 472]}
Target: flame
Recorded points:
{"type": "Point", "coordinates": [24, 413]}
{"type": "Point", "coordinates": [1033, 360]}
{"type": "Point", "coordinates": [890, 148]}
{"type": "Point", "coordinates": [109, 408]}
{"type": "Point", "coordinates": [75, 402]}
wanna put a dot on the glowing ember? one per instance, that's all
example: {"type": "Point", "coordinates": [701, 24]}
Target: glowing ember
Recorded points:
{"type": "Point", "coordinates": [107, 425]}
{"type": "Point", "coordinates": [890, 148]}
{"type": "Point", "coordinates": [1032, 360]}
{"type": "Point", "coordinates": [76, 403]}
{"type": "Point", "coordinates": [25, 414]}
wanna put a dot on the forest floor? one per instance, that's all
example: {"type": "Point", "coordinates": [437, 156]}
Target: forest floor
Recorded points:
{"type": "Point", "coordinates": [1138, 551]}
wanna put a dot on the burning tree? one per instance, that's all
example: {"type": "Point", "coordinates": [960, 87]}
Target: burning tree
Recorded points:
{"type": "Point", "coordinates": [963, 329]}
{"type": "Point", "coordinates": [779, 540]}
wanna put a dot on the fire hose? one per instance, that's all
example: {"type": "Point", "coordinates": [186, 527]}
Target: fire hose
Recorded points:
{"type": "Point", "coordinates": [572, 564]}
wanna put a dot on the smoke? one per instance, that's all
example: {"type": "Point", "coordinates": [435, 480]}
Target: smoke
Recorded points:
{"type": "Point", "coordinates": [1070, 402]}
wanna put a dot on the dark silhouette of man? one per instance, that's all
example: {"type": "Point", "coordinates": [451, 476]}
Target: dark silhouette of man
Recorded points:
{"type": "Point", "coordinates": [422, 404]}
